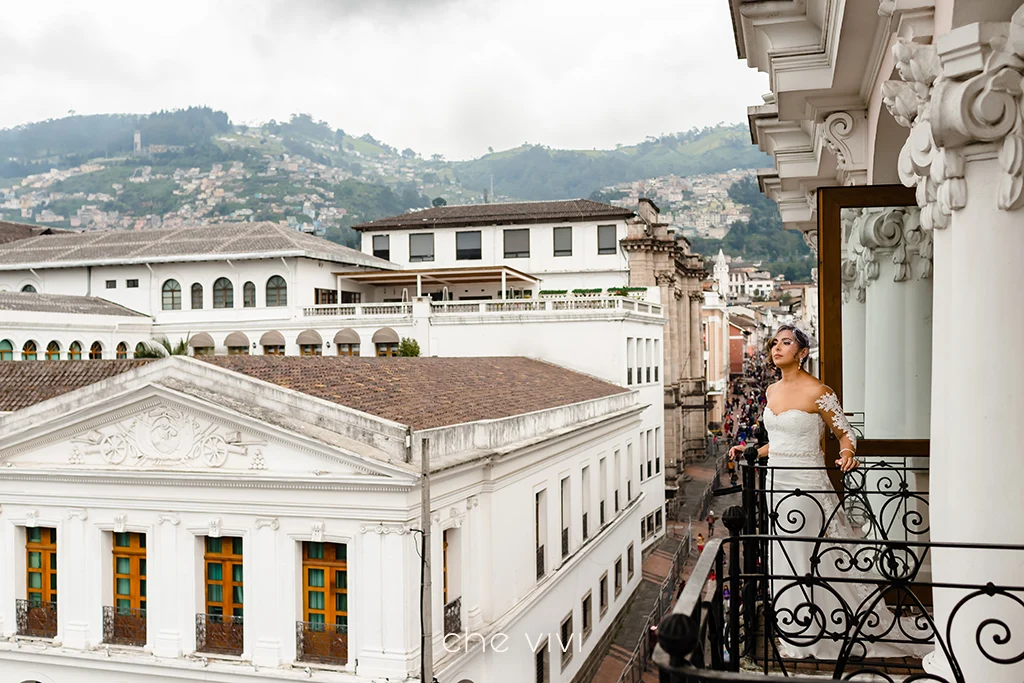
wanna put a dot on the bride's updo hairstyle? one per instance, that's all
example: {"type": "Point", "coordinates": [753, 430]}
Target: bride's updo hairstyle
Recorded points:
{"type": "Point", "coordinates": [802, 342]}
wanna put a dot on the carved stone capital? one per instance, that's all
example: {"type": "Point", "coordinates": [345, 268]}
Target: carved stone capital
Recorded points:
{"type": "Point", "coordinates": [665, 279]}
{"type": "Point", "coordinates": [966, 90]}
{"type": "Point", "coordinates": [80, 513]}
{"type": "Point", "coordinates": [171, 518]}
{"type": "Point", "coordinates": [876, 234]}
{"type": "Point", "coordinates": [271, 523]}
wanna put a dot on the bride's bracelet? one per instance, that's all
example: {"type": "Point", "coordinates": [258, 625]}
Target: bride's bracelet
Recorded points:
{"type": "Point", "coordinates": [847, 450]}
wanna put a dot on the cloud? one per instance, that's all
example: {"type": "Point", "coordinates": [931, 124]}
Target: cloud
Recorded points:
{"type": "Point", "coordinates": [447, 76]}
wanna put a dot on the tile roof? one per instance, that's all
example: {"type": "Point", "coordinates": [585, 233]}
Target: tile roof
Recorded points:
{"type": "Point", "coordinates": [204, 243]}
{"type": "Point", "coordinates": [62, 303]}
{"type": "Point", "coordinates": [564, 210]}
{"type": "Point", "coordinates": [23, 383]}
{"type": "Point", "coordinates": [10, 232]}
{"type": "Point", "coordinates": [426, 392]}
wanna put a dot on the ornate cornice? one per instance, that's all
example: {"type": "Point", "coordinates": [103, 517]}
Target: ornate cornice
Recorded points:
{"type": "Point", "coordinates": [964, 91]}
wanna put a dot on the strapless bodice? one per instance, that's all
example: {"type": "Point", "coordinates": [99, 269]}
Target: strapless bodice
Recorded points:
{"type": "Point", "coordinates": [794, 434]}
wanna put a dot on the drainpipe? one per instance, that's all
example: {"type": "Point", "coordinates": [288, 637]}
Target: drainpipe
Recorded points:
{"type": "Point", "coordinates": [426, 602]}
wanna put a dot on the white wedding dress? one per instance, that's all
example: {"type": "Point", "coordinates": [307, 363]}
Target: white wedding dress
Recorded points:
{"type": "Point", "coordinates": [814, 617]}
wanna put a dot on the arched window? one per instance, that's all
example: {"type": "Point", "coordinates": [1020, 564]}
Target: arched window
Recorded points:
{"type": "Point", "coordinates": [96, 351]}
{"type": "Point", "coordinates": [6, 350]}
{"type": "Point", "coordinates": [249, 295]}
{"type": "Point", "coordinates": [28, 351]}
{"type": "Point", "coordinates": [386, 340]}
{"type": "Point", "coordinates": [171, 296]}
{"type": "Point", "coordinates": [277, 291]}
{"type": "Point", "coordinates": [140, 348]}
{"type": "Point", "coordinates": [223, 293]}
{"type": "Point", "coordinates": [28, 288]}
{"type": "Point", "coordinates": [53, 351]}
{"type": "Point", "coordinates": [75, 351]}
{"type": "Point", "coordinates": [197, 296]}
{"type": "Point", "coordinates": [122, 351]}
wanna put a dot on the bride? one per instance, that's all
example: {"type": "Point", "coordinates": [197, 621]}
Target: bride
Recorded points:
{"type": "Point", "coordinates": [814, 616]}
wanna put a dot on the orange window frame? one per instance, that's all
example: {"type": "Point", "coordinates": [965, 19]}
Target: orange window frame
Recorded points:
{"type": "Point", "coordinates": [41, 562]}
{"type": "Point", "coordinates": [222, 576]}
{"type": "Point", "coordinates": [129, 558]}
{"type": "Point", "coordinates": [387, 349]}
{"type": "Point", "coordinates": [325, 583]}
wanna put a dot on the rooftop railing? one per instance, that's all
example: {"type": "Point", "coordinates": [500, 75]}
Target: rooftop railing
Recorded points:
{"type": "Point", "coordinates": [582, 303]}
{"type": "Point", "coordinates": [358, 310]}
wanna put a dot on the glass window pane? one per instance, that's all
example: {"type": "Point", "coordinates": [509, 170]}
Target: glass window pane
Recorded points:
{"type": "Point", "coordinates": [316, 618]}
{"type": "Point", "coordinates": [467, 245]}
{"type": "Point", "coordinates": [142, 566]}
{"type": "Point", "coordinates": [35, 560]}
{"type": "Point", "coordinates": [214, 592]}
{"type": "Point", "coordinates": [123, 605]}
{"type": "Point", "coordinates": [563, 241]}
{"type": "Point", "coordinates": [236, 595]}
{"type": "Point", "coordinates": [421, 247]}
{"type": "Point", "coordinates": [35, 580]}
{"type": "Point", "coordinates": [237, 612]}
{"type": "Point", "coordinates": [35, 597]}
{"type": "Point", "coordinates": [341, 602]}
{"type": "Point", "coordinates": [517, 243]}
{"type": "Point", "coordinates": [142, 540]}
{"type": "Point", "coordinates": [316, 551]}
{"type": "Point", "coordinates": [236, 573]}
{"type": "Point", "coordinates": [142, 588]}
{"type": "Point", "coordinates": [340, 552]}
{"type": "Point", "coordinates": [341, 620]}
{"type": "Point", "coordinates": [316, 578]}
{"type": "Point", "coordinates": [53, 561]}
{"type": "Point", "coordinates": [213, 545]}
{"type": "Point", "coordinates": [122, 540]}
{"type": "Point", "coordinates": [35, 535]}
{"type": "Point", "coordinates": [215, 609]}
{"type": "Point", "coordinates": [606, 239]}
{"type": "Point", "coordinates": [53, 582]}
{"type": "Point", "coordinates": [341, 580]}
{"type": "Point", "coordinates": [316, 600]}
{"type": "Point", "coordinates": [236, 543]}
{"type": "Point", "coordinates": [124, 587]}
{"type": "Point", "coordinates": [214, 571]}
{"type": "Point", "coordinates": [124, 565]}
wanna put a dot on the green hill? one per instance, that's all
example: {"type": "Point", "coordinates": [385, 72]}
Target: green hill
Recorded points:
{"type": "Point", "coordinates": [538, 172]}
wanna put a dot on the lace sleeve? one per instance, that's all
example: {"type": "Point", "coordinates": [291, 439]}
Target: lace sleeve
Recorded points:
{"type": "Point", "coordinates": [832, 413]}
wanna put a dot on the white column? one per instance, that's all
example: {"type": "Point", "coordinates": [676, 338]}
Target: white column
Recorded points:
{"type": "Point", "coordinates": [74, 587]}
{"type": "Point", "coordinates": [263, 614]}
{"type": "Point", "coordinates": [477, 570]}
{"type": "Point", "coordinates": [166, 595]}
{"type": "Point", "coordinates": [8, 572]}
{"type": "Point", "coordinates": [964, 155]}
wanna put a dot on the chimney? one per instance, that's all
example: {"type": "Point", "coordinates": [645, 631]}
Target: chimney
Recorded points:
{"type": "Point", "coordinates": [648, 211]}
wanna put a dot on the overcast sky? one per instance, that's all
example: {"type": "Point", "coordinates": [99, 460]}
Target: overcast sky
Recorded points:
{"type": "Point", "coordinates": [441, 76]}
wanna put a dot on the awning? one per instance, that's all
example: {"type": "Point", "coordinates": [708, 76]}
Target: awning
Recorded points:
{"type": "Point", "coordinates": [346, 337]}
{"type": "Point", "coordinates": [200, 340]}
{"type": "Point", "coordinates": [309, 337]}
{"type": "Point", "coordinates": [272, 338]}
{"type": "Point", "coordinates": [236, 339]}
{"type": "Point", "coordinates": [385, 335]}
{"type": "Point", "coordinates": [441, 276]}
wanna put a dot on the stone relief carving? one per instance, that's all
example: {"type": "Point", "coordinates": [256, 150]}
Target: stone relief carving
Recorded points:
{"type": "Point", "coordinates": [120, 523]}
{"type": "Point", "coordinates": [384, 529]}
{"type": "Point", "coordinates": [215, 525]}
{"type": "Point", "coordinates": [163, 436]}
{"type": "Point", "coordinates": [666, 279]}
{"type": "Point", "coordinates": [879, 233]}
{"type": "Point", "coordinates": [317, 532]}
{"type": "Point", "coordinates": [811, 240]}
{"type": "Point", "coordinates": [972, 92]}
{"type": "Point", "coordinates": [32, 518]}
{"type": "Point", "coordinates": [844, 137]}
{"type": "Point", "coordinates": [171, 517]}
{"type": "Point", "coordinates": [80, 513]}
{"type": "Point", "coordinates": [272, 523]}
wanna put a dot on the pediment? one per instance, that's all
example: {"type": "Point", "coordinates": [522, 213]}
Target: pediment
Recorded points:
{"type": "Point", "coordinates": [159, 431]}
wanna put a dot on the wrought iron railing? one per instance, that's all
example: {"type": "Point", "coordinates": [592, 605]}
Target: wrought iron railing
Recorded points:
{"type": "Point", "coordinates": [124, 626]}
{"type": "Point", "coordinates": [219, 634]}
{"type": "Point", "coordinates": [453, 616]}
{"type": "Point", "coordinates": [785, 585]}
{"type": "Point", "coordinates": [540, 562]}
{"type": "Point", "coordinates": [36, 618]}
{"type": "Point", "coordinates": [319, 642]}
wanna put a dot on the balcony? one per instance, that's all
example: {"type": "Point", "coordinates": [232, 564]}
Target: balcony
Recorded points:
{"type": "Point", "coordinates": [219, 634]}
{"type": "Point", "coordinates": [124, 626]}
{"type": "Point", "coordinates": [359, 310]}
{"type": "Point", "coordinates": [36, 619]}
{"type": "Point", "coordinates": [752, 604]}
{"type": "Point", "coordinates": [453, 616]}
{"type": "Point", "coordinates": [582, 303]}
{"type": "Point", "coordinates": [323, 643]}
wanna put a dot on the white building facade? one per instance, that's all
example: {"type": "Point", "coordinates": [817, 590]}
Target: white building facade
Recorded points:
{"type": "Point", "coordinates": [272, 535]}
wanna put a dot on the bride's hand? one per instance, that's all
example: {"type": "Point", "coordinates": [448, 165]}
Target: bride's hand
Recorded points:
{"type": "Point", "coordinates": [847, 462]}
{"type": "Point", "coordinates": [736, 451]}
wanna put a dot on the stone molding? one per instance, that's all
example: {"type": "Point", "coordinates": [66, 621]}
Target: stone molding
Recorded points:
{"type": "Point", "coordinates": [845, 135]}
{"type": "Point", "coordinates": [878, 233]}
{"type": "Point", "coordinates": [966, 89]}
